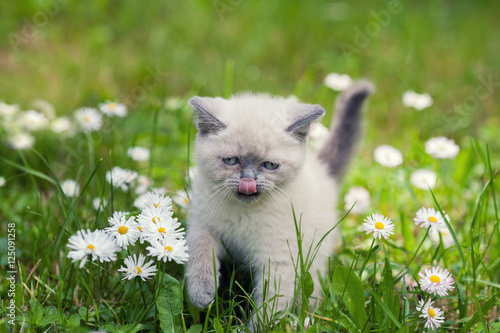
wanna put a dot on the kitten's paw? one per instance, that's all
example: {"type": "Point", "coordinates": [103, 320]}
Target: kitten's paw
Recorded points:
{"type": "Point", "coordinates": [201, 291]}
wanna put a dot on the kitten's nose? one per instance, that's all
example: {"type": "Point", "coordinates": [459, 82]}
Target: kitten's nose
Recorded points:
{"type": "Point", "coordinates": [247, 186]}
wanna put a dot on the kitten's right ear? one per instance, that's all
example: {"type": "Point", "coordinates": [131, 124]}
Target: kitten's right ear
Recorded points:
{"type": "Point", "coordinates": [206, 107]}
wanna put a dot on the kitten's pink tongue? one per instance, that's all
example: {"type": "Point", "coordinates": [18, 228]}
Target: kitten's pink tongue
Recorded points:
{"type": "Point", "coordinates": [247, 186]}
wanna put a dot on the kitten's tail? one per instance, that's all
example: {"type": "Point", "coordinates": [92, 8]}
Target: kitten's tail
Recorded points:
{"type": "Point", "coordinates": [345, 128]}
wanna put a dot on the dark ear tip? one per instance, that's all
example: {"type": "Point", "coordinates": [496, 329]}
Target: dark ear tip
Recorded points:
{"type": "Point", "coordinates": [320, 110]}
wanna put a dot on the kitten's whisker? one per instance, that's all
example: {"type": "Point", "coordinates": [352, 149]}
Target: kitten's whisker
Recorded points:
{"type": "Point", "coordinates": [218, 201]}
{"type": "Point", "coordinates": [215, 192]}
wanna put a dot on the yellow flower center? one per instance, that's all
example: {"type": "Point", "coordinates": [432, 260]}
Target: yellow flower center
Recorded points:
{"type": "Point", "coordinates": [91, 247]}
{"type": "Point", "coordinates": [156, 219]}
{"type": "Point", "coordinates": [432, 313]}
{"type": "Point", "coordinates": [168, 248]}
{"type": "Point", "coordinates": [138, 270]}
{"type": "Point", "coordinates": [162, 230]}
{"type": "Point", "coordinates": [432, 219]}
{"type": "Point", "coordinates": [379, 225]}
{"type": "Point", "coordinates": [435, 279]}
{"type": "Point", "coordinates": [111, 105]}
{"type": "Point", "coordinates": [86, 119]}
{"type": "Point", "coordinates": [122, 230]}
{"type": "Point", "coordinates": [157, 204]}
{"type": "Point", "coordinates": [186, 200]}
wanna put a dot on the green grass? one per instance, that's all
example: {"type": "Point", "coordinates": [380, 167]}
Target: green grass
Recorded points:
{"type": "Point", "coordinates": [145, 53]}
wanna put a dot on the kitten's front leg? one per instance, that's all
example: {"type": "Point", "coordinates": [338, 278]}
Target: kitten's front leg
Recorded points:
{"type": "Point", "coordinates": [272, 280]}
{"type": "Point", "coordinates": [201, 282]}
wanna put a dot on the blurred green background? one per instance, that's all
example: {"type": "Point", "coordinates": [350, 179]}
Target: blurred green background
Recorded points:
{"type": "Point", "coordinates": [74, 53]}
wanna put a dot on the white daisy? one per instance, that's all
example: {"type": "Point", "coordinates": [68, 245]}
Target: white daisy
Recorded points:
{"type": "Point", "coordinates": [125, 231]}
{"type": "Point", "coordinates": [138, 153]}
{"type": "Point", "coordinates": [169, 249]}
{"type": "Point", "coordinates": [337, 81]}
{"type": "Point", "coordinates": [423, 179]}
{"type": "Point", "coordinates": [2, 181]}
{"type": "Point", "coordinates": [122, 178]}
{"type": "Point", "coordinates": [97, 203]}
{"type": "Point", "coordinates": [96, 243]}
{"type": "Point", "coordinates": [143, 183]}
{"type": "Point", "coordinates": [445, 234]}
{"type": "Point", "coordinates": [437, 281]}
{"type": "Point", "coordinates": [61, 125]}
{"type": "Point", "coordinates": [117, 215]}
{"type": "Point", "coordinates": [21, 141]}
{"type": "Point", "coordinates": [153, 199]}
{"type": "Point", "coordinates": [416, 101]}
{"type": "Point", "coordinates": [380, 225]}
{"type": "Point", "coordinates": [434, 316]}
{"type": "Point", "coordinates": [159, 190]}
{"type": "Point", "coordinates": [359, 197]}
{"type": "Point", "coordinates": [44, 107]}
{"type": "Point", "coordinates": [181, 199]}
{"type": "Point", "coordinates": [165, 228]}
{"type": "Point", "coordinates": [140, 202]}
{"type": "Point", "coordinates": [291, 99]}
{"type": "Point", "coordinates": [388, 156]}
{"type": "Point", "coordinates": [136, 267]}
{"type": "Point", "coordinates": [410, 283]}
{"type": "Point", "coordinates": [32, 120]}
{"type": "Point", "coordinates": [7, 111]}
{"type": "Point", "coordinates": [113, 109]}
{"type": "Point", "coordinates": [318, 135]}
{"type": "Point", "coordinates": [430, 218]}
{"type": "Point", "coordinates": [153, 215]}
{"type": "Point", "coordinates": [70, 187]}
{"type": "Point", "coordinates": [441, 147]}
{"type": "Point", "coordinates": [88, 119]}
{"type": "Point", "coordinates": [191, 174]}
{"type": "Point", "coordinates": [174, 103]}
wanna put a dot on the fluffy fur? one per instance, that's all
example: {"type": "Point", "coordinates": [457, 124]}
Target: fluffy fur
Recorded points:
{"type": "Point", "coordinates": [258, 229]}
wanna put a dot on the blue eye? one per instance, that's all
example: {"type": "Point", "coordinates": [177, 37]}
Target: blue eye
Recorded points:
{"type": "Point", "coordinates": [270, 165]}
{"type": "Point", "coordinates": [230, 160]}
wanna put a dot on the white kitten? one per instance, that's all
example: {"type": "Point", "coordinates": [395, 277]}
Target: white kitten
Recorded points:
{"type": "Point", "coordinates": [253, 166]}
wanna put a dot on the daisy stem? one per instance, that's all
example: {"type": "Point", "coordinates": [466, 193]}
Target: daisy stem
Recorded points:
{"type": "Point", "coordinates": [399, 276]}
{"type": "Point", "coordinates": [367, 258]}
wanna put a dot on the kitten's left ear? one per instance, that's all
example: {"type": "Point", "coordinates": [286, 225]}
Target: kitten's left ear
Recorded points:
{"type": "Point", "coordinates": [307, 113]}
{"type": "Point", "coordinates": [207, 110]}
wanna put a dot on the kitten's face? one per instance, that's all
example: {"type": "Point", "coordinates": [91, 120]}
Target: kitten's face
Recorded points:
{"type": "Point", "coordinates": [250, 146]}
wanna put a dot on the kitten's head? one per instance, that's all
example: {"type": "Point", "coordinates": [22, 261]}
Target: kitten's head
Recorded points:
{"type": "Point", "coordinates": [251, 145]}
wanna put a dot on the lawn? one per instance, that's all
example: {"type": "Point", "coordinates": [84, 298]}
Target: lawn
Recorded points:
{"type": "Point", "coordinates": [57, 57]}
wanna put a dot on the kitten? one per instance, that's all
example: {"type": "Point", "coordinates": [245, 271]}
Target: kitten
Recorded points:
{"type": "Point", "coordinates": [253, 166]}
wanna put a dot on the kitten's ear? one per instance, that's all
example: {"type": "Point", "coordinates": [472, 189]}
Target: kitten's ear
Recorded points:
{"type": "Point", "coordinates": [206, 107]}
{"type": "Point", "coordinates": [306, 114]}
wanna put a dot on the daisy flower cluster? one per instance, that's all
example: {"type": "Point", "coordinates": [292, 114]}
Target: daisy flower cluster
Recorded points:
{"type": "Point", "coordinates": [158, 233]}
{"type": "Point", "coordinates": [439, 148]}
{"type": "Point", "coordinates": [20, 127]}
{"type": "Point", "coordinates": [436, 281]}
{"type": "Point", "coordinates": [126, 179]}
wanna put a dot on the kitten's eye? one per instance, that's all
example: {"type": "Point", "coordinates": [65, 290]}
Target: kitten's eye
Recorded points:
{"type": "Point", "coordinates": [270, 165]}
{"type": "Point", "coordinates": [230, 160]}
